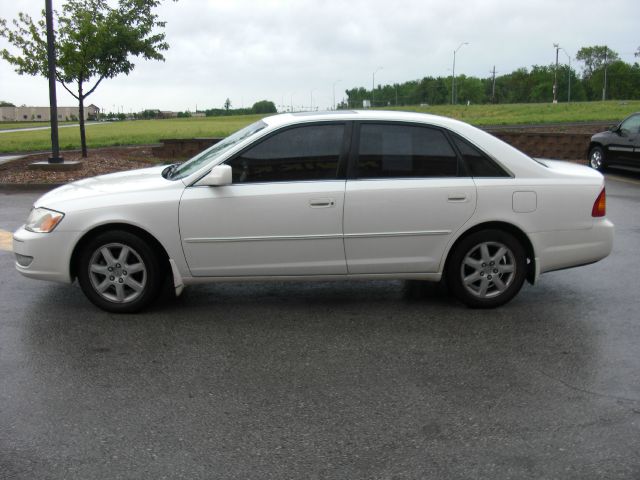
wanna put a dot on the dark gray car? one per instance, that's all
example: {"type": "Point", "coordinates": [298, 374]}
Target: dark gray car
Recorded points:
{"type": "Point", "coordinates": [618, 146]}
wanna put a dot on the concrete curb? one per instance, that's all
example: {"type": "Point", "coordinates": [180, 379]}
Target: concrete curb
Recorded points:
{"type": "Point", "coordinates": [26, 187]}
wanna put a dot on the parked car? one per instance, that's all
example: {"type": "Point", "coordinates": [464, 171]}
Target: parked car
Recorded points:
{"type": "Point", "coordinates": [308, 196]}
{"type": "Point", "coordinates": [618, 147]}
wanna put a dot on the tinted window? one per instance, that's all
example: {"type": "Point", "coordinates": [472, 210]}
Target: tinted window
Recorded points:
{"type": "Point", "coordinates": [631, 124]}
{"type": "Point", "coordinates": [404, 151]}
{"type": "Point", "coordinates": [300, 153]}
{"type": "Point", "coordinates": [476, 162]}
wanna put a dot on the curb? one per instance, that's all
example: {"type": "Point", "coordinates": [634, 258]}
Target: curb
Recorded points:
{"type": "Point", "coordinates": [29, 187]}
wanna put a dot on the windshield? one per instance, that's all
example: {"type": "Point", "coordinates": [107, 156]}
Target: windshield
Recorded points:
{"type": "Point", "coordinates": [222, 146]}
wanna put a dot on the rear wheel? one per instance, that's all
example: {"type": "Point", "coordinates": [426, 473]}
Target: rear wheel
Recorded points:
{"type": "Point", "coordinates": [487, 269]}
{"type": "Point", "coordinates": [596, 159]}
{"type": "Point", "coordinates": [119, 272]}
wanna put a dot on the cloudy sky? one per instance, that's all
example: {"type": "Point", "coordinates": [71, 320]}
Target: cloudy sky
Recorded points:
{"type": "Point", "coordinates": [297, 50]}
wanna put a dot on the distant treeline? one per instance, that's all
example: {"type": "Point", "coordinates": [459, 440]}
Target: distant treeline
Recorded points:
{"type": "Point", "coordinates": [524, 85]}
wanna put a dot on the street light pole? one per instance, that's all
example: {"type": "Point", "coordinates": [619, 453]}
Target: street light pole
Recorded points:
{"type": "Point", "coordinates": [334, 93]}
{"type": "Point", "coordinates": [569, 75]}
{"type": "Point", "coordinates": [373, 87]}
{"type": "Point", "coordinates": [311, 107]}
{"type": "Point", "coordinates": [453, 73]}
{"type": "Point", "coordinates": [555, 75]}
{"type": "Point", "coordinates": [53, 101]}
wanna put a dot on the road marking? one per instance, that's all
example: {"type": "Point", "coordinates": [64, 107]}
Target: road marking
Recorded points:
{"type": "Point", "coordinates": [622, 179]}
{"type": "Point", "coordinates": [6, 241]}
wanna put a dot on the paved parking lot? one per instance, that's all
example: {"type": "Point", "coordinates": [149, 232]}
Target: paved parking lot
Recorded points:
{"type": "Point", "coordinates": [353, 380]}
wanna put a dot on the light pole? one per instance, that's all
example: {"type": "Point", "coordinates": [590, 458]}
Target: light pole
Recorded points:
{"type": "Point", "coordinates": [604, 85]}
{"type": "Point", "coordinates": [311, 107]}
{"type": "Point", "coordinates": [53, 101]}
{"type": "Point", "coordinates": [569, 76]}
{"type": "Point", "coordinates": [453, 73]}
{"type": "Point", "coordinates": [373, 86]}
{"type": "Point", "coordinates": [555, 75]}
{"type": "Point", "coordinates": [292, 102]}
{"type": "Point", "coordinates": [334, 93]}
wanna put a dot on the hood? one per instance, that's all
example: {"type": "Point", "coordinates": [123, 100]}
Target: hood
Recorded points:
{"type": "Point", "coordinates": [141, 180]}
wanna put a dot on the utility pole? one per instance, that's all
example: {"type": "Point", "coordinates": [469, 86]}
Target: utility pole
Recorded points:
{"type": "Point", "coordinates": [604, 86]}
{"type": "Point", "coordinates": [53, 101]}
{"type": "Point", "coordinates": [555, 75]}
{"type": "Point", "coordinates": [493, 85]}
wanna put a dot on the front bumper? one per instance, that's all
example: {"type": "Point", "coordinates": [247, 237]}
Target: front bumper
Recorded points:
{"type": "Point", "coordinates": [51, 254]}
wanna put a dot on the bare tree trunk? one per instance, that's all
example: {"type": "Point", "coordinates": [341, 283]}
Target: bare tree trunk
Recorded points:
{"type": "Point", "coordinates": [83, 136]}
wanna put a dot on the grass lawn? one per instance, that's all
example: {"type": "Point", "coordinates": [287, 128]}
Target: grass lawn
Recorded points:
{"type": "Point", "coordinates": [142, 132]}
{"type": "Point", "coordinates": [533, 113]}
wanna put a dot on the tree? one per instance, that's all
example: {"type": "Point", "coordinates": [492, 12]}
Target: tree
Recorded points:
{"type": "Point", "coordinates": [6, 104]}
{"type": "Point", "coordinates": [227, 104]}
{"type": "Point", "coordinates": [594, 58]}
{"type": "Point", "coordinates": [94, 41]}
{"type": "Point", "coordinates": [264, 106]}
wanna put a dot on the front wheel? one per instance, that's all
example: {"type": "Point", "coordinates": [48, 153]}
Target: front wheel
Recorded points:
{"type": "Point", "coordinates": [119, 272]}
{"type": "Point", "coordinates": [487, 269]}
{"type": "Point", "coordinates": [596, 159]}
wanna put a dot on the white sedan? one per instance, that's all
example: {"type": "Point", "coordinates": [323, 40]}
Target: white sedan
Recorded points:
{"type": "Point", "coordinates": [344, 195]}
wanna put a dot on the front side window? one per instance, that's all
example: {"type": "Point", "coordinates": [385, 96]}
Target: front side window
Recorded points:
{"type": "Point", "coordinates": [219, 148]}
{"type": "Point", "coordinates": [403, 151]}
{"type": "Point", "coordinates": [631, 125]}
{"type": "Point", "coordinates": [310, 152]}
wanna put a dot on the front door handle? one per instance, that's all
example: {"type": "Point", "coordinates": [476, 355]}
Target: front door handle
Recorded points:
{"type": "Point", "coordinates": [322, 202]}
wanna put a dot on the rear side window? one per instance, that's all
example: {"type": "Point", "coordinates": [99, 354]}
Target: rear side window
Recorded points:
{"type": "Point", "coordinates": [476, 162]}
{"type": "Point", "coordinates": [403, 151]}
{"type": "Point", "coordinates": [302, 153]}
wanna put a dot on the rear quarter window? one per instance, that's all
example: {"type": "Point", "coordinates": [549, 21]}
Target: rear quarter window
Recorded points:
{"type": "Point", "coordinates": [476, 162]}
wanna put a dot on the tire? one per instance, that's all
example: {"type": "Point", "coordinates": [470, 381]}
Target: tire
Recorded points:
{"type": "Point", "coordinates": [119, 272]}
{"type": "Point", "coordinates": [487, 269]}
{"type": "Point", "coordinates": [597, 159]}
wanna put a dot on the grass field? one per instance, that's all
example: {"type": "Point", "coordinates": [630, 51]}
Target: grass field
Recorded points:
{"type": "Point", "coordinates": [142, 132]}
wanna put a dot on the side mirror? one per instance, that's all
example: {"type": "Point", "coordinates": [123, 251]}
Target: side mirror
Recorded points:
{"type": "Point", "coordinates": [220, 175]}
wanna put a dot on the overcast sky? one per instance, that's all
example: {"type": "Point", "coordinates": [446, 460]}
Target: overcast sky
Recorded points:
{"type": "Point", "coordinates": [284, 51]}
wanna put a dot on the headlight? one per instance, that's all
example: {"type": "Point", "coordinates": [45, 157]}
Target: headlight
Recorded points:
{"type": "Point", "coordinates": [43, 220]}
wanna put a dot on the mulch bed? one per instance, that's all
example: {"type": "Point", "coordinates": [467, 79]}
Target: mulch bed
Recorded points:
{"type": "Point", "coordinates": [99, 162]}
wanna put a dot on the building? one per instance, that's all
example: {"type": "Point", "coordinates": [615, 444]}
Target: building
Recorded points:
{"type": "Point", "coordinates": [41, 114]}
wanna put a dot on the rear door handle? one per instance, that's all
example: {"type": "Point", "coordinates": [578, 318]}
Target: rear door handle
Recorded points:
{"type": "Point", "coordinates": [322, 202]}
{"type": "Point", "coordinates": [457, 197]}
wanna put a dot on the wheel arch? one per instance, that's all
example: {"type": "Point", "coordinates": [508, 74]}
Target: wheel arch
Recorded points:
{"type": "Point", "coordinates": [517, 232]}
{"type": "Point", "coordinates": [142, 233]}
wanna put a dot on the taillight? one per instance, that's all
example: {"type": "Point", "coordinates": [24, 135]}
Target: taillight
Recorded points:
{"type": "Point", "coordinates": [600, 206]}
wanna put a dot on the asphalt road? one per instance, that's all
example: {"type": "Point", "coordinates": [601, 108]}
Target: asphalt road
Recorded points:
{"type": "Point", "coordinates": [330, 380]}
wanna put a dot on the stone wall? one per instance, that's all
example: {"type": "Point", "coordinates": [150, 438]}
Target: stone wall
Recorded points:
{"type": "Point", "coordinates": [182, 148]}
{"type": "Point", "coordinates": [560, 146]}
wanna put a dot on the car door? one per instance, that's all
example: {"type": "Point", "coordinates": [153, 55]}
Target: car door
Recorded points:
{"type": "Point", "coordinates": [282, 215]}
{"type": "Point", "coordinates": [404, 199]}
{"type": "Point", "coordinates": [625, 146]}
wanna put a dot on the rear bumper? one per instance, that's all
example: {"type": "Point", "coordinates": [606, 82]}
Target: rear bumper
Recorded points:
{"type": "Point", "coordinates": [571, 248]}
{"type": "Point", "coordinates": [51, 253]}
